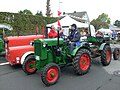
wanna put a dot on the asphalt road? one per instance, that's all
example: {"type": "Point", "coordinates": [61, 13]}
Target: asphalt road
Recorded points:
{"type": "Point", "coordinates": [98, 78]}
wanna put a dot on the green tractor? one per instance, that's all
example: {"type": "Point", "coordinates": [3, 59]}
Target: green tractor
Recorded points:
{"type": "Point", "coordinates": [3, 27]}
{"type": "Point", "coordinates": [51, 54]}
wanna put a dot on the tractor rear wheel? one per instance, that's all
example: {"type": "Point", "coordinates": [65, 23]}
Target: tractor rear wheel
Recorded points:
{"type": "Point", "coordinates": [106, 55]}
{"type": "Point", "coordinates": [50, 74]}
{"type": "Point", "coordinates": [116, 53]}
{"type": "Point", "coordinates": [28, 65]}
{"type": "Point", "coordinates": [82, 61]}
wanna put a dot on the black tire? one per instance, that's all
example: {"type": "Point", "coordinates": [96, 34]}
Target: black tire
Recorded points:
{"type": "Point", "coordinates": [116, 53]}
{"type": "Point", "coordinates": [82, 62]}
{"type": "Point", "coordinates": [106, 55]}
{"type": "Point", "coordinates": [49, 70]}
{"type": "Point", "coordinates": [26, 65]}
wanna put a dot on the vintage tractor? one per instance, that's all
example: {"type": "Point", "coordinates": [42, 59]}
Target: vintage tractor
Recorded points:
{"type": "Point", "coordinates": [51, 54]}
{"type": "Point", "coordinates": [3, 27]}
{"type": "Point", "coordinates": [2, 49]}
{"type": "Point", "coordinates": [116, 53]}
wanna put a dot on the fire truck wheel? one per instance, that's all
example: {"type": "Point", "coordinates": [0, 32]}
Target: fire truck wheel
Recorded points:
{"type": "Point", "coordinates": [28, 65]}
{"type": "Point", "coordinates": [116, 53]}
{"type": "Point", "coordinates": [106, 55]}
{"type": "Point", "coordinates": [50, 74]}
{"type": "Point", "coordinates": [82, 61]}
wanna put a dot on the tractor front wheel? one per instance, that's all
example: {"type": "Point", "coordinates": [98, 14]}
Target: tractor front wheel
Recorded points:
{"type": "Point", "coordinates": [82, 61]}
{"type": "Point", "coordinates": [116, 53]}
{"type": "Point", "coordinates": [50, 74]}
{"type": "Point", "coordinates": [28, 65]}
{"type": "Point", "coordinates": [106, 55]}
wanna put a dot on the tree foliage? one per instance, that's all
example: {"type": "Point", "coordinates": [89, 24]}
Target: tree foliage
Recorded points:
{"type": "Point", "coordinates": [25, 12]}
{"type": "Point", "coordinates": [39, 13]}
{"type": "Point", "coordinates": [117, 23]}
{"type": "Point", "coordinates": [24, 23]}
{"type": "Point", "coordinates": [102, 21]}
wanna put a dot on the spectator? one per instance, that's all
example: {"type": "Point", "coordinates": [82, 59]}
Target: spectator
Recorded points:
{"type": "Point", "coordinates": [53, 33]}
{"type": "Point", "coordinates": [99, 34]}
{"type": "Point", "coordinates": [114, 34]}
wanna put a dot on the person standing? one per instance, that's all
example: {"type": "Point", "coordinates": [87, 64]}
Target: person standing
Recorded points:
{"type": "Point", "coordinates": [114, 34]}
{"type": "Point", "coordinates": [53, 33]}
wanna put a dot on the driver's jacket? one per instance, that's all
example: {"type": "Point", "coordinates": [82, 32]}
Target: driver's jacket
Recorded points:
{"type": "Point", "coordinates": [75, 37]}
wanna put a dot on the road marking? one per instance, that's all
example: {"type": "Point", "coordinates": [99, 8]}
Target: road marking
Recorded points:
{"type": "Point", "coordinates": [1, 64]}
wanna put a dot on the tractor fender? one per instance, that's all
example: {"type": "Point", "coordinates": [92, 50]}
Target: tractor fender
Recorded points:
{"type": "Point", "coordinates": [102, 46]}
{"type": "Point", "coordinates": [25, 55]}
{"type": "Point", "coordinates": [80, 47]}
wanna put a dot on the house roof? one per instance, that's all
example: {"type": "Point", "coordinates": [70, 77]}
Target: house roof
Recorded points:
{"type": "Point", "coordinates": [79, 16]}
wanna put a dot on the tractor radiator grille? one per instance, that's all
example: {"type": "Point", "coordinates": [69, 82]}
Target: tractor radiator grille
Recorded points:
{"type": "Point", "coordinates": [37, 49]}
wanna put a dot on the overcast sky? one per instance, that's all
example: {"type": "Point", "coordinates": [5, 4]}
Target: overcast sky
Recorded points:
{"type": "Point", "coordinates": [93, 7]}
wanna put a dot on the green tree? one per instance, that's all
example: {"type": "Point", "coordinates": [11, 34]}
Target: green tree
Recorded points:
{"type": "Point", "coordinates": [117, 23]}
{"type": "Point", "coordinates": [25, 12]}
{"type": "Point", "coordinates": [102, 21]}
{"type": "Point", "coordinates": [48, 10]}
{"type": "Point", "coordinates": [20, 12]}
{"type": "Point", "coordinates": [39, 13]}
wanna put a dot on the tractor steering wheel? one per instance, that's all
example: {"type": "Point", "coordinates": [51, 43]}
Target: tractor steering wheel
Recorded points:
{"type": "Point", "coordinates": [64, 37]}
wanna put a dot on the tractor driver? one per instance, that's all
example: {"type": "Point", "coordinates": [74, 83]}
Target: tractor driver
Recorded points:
{"type": "Point", "coordinates": [74, 37]}
{"type": "Point", "coordinates": [53, 33]}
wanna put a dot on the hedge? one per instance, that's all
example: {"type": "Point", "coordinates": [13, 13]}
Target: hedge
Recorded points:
{"type": "Point", "coordinates": [25, 24]}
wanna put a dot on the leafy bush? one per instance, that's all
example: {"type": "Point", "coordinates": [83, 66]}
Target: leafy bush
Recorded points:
{"type": "Point", "coordinates": [25, 24]}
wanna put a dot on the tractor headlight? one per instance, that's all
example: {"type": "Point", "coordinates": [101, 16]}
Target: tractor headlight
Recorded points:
{"type": "Point", "coordinates": [37, 57]}
{"type": "Point", "coordinates": [32, 43]}
{"type": "Point", "coordinates": [45, 44]}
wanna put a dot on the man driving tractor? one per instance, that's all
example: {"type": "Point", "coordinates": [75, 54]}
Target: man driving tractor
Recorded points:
{"type": "Point", "coordinates": [74, 37]}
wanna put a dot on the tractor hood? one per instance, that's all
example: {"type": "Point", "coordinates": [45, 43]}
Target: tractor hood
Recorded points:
{"type": "Point", "coordinates": [50, 41]}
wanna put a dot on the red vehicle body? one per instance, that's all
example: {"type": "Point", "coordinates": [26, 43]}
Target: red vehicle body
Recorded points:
{"type": "Point", "coordinates": [19, 47]}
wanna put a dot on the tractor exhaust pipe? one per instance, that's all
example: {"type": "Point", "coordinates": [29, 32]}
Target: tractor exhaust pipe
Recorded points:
{"type": "Point", "coordinates": [58, 52]}
{"type": "Point", "coordinates": [46, 32]}
{"type": "Point", "coordinates": [58, 36]}
{"type": "Point", "coordinates": [89, 28]}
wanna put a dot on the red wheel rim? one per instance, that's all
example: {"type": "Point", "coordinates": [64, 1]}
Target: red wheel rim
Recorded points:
{"type": "Point", "coordinates": [52, 74]}
{"type": "Point", "coordinates": [108, 55]}
{"type": "Point", "coordinates": [117, 54]}
{"type": "Point", "coordinates": [29, 66]}
{"type": "Point", "coordinates": [84, 62]}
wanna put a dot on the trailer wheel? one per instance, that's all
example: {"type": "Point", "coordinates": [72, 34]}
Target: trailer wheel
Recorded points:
{"type": "Point", "coordinates": [28, 65]}
{"type": "Point", "coordinates": [50, 74]}
{"type": "Point", "coordinates": [82, 61]}
{"type": "Point", "coordinates": [116, 53]}
{"type": "Point", "coordinates": [106, 55]}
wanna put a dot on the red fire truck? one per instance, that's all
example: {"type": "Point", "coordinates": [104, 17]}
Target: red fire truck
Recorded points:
{"type": "Point", "coordinates": [19, 47]}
